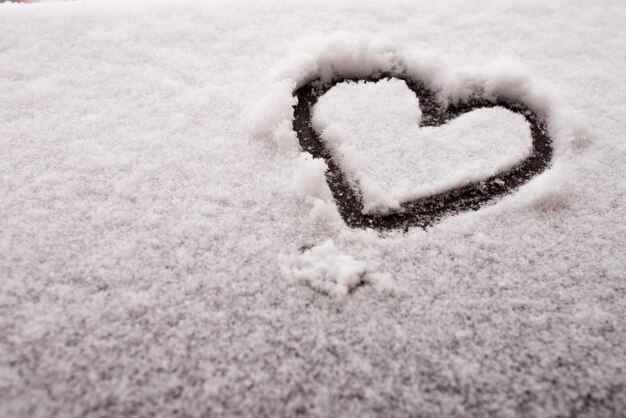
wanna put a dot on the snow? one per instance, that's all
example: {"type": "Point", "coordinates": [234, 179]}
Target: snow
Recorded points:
{"type": "Point", "coordinates": [166, 248]}
{"type": "Point", "coordinates": [309, 178]}
{"type": "Point", "coordinates": [309, 183]}
{"type": "Point", "coordinates": [373, 129]}
{"type": "Point", "coordinates": [327, 270]}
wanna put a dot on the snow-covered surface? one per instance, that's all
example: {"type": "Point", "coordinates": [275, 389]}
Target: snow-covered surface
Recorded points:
{"type": "Point", "coordinates": [166, 249]}
{"type": "Point", "coordinates": [373, 130]}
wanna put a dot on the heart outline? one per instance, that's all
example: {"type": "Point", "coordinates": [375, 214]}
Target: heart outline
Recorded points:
{"type": "Point", "coordinates": [424, 211]}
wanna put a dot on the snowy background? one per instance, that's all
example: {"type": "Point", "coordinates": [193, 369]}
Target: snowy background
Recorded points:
{"type": "Point", "coordinates": [165, 248]}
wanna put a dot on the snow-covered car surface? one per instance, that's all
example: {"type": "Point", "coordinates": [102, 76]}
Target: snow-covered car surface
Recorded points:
{"type": "Point", "coordinates": [167, 248]}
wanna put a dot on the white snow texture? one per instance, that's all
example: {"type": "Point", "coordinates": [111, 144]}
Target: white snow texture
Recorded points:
{"type": "Point", "coordinates": [166, 249]}
{"type": "Point", "coordinates": [373, 130]}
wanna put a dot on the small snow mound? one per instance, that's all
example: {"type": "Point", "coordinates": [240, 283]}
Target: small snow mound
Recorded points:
{"type": "Point", "coordinates": [328, 270]}
{"type": "Point", "coordinates": [309, 179]}
{"type": "Point", "coordinates": [309, 183]}
{"type": "Point", "coordinates": [270, 119]}
{"type": "Point", "coordinates": [549, 191]}
{"type": "Point", "coordinates": [325, 212]}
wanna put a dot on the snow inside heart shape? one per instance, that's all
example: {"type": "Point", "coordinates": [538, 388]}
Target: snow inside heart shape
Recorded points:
{"type": "Point", "coordinates": [397, 157]}
{"type": "Point", "coordinates": [372, 130]}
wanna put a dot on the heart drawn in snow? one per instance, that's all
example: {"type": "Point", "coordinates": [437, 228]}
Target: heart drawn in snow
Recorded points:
{"type": "Point", "coordinates": [423, 210]}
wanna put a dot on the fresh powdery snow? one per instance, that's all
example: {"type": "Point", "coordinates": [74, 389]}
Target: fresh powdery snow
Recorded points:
{"type": "Point", "coordinates": [373, 129]}
{"type": "Point", "coordinates": [167, 248]}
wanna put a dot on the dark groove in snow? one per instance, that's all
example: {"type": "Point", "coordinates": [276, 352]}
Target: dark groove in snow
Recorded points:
{"type": "Point", "coordinates": [422, 212]}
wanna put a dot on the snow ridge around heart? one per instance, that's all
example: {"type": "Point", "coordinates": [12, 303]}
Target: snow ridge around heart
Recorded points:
{"type": "Point", "coordinates": [452, 98]}
{"type": "Point", "coordinates": [373, 130]}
